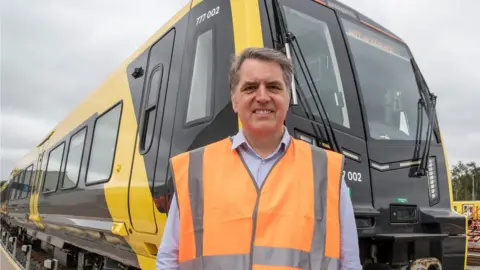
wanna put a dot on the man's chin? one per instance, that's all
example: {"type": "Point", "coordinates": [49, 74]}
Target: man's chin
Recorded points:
{"type": "Point", "coordinates": [263, 129]}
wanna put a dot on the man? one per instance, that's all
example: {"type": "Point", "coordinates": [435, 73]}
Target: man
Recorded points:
{"type": "Point", "coordinates": [261, 197]}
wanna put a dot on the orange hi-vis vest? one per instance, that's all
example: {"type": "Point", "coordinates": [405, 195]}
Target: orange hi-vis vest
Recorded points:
{"type": "Point", "coordinates": [227, 222]}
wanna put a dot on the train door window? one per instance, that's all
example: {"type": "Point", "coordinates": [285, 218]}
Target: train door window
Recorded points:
{"type": "Point", "coordinates": [103, 146]}
{"type": "Point", "coordinates": [74, 159]}
{"type": "Point", "coordinates": [27, 182]}
{"type": "Point", "coordinates": [155, 83]}
{"type": "Point", "coordinates": [201, 94]}
{"type": "Point", "coordinates": [36, 185]}
{"type": "Point", "coordinates": [54, 167]}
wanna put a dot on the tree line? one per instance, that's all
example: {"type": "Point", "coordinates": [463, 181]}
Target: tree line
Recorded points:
{"type": "Point", "coordinates": [465, 181]}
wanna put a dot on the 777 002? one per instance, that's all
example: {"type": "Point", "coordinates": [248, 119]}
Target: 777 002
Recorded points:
{"type": "Point", "coordinates": [208, 15]}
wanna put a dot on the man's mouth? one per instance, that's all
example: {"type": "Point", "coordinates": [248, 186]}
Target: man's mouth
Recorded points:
{"type": "Point", "coordinates": [262, 111]}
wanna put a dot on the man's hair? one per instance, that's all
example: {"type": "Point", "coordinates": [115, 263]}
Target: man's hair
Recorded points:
{"type": "Point", "coordinates": [263, 54]}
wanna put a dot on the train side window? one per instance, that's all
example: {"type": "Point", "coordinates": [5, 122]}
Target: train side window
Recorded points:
{"type": "Point", "coordinates": [21, 179]}
{"type": "Point", "coordinates": [201, 88]}
{"type": "Point", "coordinates": [22, 185]}
{"type": "Point", "coordinates": [104, 143]}
{"type": "Point", "coordinates": [13, 187]}
{"type": "Point", "coordinates": [27, 182]}
{"type": "Point", "coordinates": [74, 159]}
{"type": "Point", "coordinates": [54, 167]}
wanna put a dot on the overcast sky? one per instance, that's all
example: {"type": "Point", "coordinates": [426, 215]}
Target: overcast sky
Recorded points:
{"type": "Point", "coordinates": [53, 53]}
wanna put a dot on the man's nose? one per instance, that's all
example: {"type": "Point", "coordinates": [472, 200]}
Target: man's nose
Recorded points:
{"type": "Point", "coordinates": [262, 94]}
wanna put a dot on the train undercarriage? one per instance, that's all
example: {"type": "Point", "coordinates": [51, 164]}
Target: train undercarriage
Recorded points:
{"type": "Point", "coordinates": [381, 252]}
{"type": "Point", "coordinates": [43, 251]}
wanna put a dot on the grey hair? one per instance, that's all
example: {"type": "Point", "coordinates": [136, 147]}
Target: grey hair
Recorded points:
{"type": "Point", "coordinates": [263, 54]}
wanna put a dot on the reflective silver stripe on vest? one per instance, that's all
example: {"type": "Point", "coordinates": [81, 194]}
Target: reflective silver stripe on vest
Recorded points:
{"type": "Point", "coordinates": [318, 260]}
{"type": "Point", "coordinates": [217, 262]}
{"type": "Point", "coordinates": [333, 264]}
{"type": "Point", "coordinates": [320, 165]}
{"type": "Point", "coordinates": [261, 256]}
{"type": "Point", "coordinates": [281, 257]}
{"type": "Point", "coordinates": [195, 188]}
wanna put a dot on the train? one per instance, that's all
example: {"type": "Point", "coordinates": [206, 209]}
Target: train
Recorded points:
{"type": "Point", "coordinates": [96, 190]}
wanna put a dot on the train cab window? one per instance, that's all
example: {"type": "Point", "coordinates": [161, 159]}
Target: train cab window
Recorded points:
{"type": "Point", "coordinates": [103, 146]}
{"type": "Point", "coordinates": [54, 167]}
{"type": "Point", "coordinates": [387, 82]}
{"type": "Point", "coordinates": [74, 159]}
{"type": "Point", "coordinates": [200, 99]}
{"type": "Point", "coordinates": [315, 40]}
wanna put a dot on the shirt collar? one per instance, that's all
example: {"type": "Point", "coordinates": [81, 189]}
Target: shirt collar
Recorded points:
{"type": "Point", "coordinates": [239, 140]}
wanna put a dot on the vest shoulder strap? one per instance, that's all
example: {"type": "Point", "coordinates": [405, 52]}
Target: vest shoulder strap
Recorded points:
{"type": "Point", "coordinates": [179, 164]}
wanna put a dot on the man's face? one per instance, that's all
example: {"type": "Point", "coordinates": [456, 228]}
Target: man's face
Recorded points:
{"type": "Point", "coordinates": [261, 98]}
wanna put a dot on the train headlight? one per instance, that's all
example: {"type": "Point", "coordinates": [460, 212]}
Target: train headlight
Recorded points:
{"type": "Point", "coordinates": [432, 181]}
{"type": "Point", "coordinates": [306, 138]}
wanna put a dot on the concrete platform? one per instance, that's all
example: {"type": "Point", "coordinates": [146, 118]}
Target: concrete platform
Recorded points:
{"type": "Point", "coordinates": [6, 262]}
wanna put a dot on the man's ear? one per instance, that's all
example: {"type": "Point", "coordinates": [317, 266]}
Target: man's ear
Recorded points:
{"type": "Point", "coordinates": [234, 103]}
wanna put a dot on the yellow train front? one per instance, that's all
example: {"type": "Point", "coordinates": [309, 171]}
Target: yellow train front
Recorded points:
{"type": "Point", "coordinates": [98, 186]}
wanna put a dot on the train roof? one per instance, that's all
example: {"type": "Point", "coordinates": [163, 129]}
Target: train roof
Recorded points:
{"type": "Point", "coordinates": [73, 119]}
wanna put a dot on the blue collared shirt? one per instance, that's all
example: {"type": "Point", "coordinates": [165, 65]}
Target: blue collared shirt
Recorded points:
{"type": "Point", "coordinates": [167, 257]}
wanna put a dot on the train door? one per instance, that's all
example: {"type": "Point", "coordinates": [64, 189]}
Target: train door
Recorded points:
{"type": "Point", "coordinates": [36, 184]}
{"type": "Point", "coordinates": [150, 137]}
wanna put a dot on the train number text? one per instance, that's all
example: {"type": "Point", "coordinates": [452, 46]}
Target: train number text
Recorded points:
{"type": "Point", "coordinates": [352, 176]}
{"type": "Point", "coordinates": [208, 15]}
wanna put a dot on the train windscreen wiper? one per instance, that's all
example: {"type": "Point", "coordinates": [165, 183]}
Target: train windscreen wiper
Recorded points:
{"type": "Point", "coordinates": [287, 40]}
{"type": "Point", "coordinates": [428, 101]}
{"type": "Point", "coordinates": [418, 134]}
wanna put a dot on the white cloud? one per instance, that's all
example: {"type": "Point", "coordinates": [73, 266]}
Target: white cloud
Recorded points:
{"type": "Point", "coordinates": [25, 128]}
